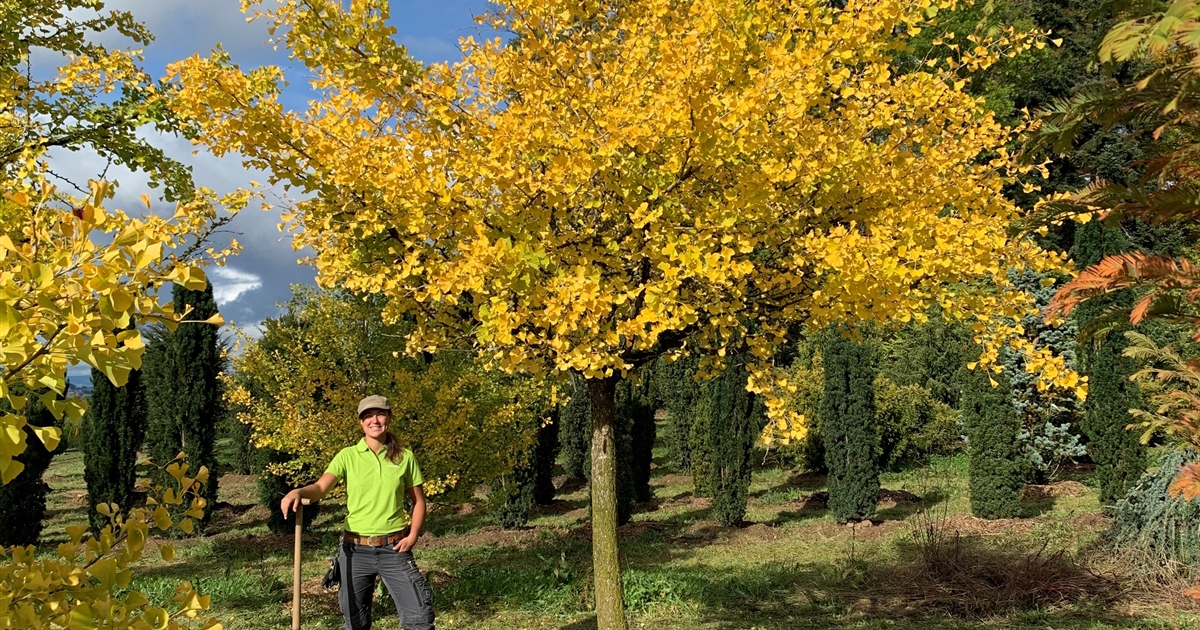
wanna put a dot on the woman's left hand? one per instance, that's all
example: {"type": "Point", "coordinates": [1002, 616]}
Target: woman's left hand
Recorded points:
{"type": "Point", "coordinates": [406, 543]}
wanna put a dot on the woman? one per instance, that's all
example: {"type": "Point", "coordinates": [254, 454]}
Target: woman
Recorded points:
{"type": "Point", "coordinates": [379, 536]}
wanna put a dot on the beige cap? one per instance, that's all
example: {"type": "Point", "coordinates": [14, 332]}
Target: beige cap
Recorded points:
{"type": "Point", "coordinates": [373, 402]}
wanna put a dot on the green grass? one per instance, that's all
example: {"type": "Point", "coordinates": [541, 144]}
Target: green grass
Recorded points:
{"type": "Point", "coordinates": [794, 568]}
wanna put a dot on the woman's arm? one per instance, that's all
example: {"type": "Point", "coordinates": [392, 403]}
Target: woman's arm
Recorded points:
{"type": "Point", "coordinates": [416, 495]}
{"type": "Point", "coordinates": [312, 492]}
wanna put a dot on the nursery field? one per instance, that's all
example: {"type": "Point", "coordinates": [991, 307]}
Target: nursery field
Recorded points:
{"type": "Point", "coordinates": [924, 562]}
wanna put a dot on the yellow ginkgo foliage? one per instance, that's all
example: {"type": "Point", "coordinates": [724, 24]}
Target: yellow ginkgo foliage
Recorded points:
{"type": "Point", "coordinates": [73, 275]}
{"type": "Point", "coordinates": [298, 384]}
{"type": "Point", "coordinates": [616, 181]}
{"type": "Point", "coordinates": [84, 585]}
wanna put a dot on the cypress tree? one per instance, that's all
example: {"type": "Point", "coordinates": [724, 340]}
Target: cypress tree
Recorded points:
{"type": "Point", "coordinates": [117, 425]}
{"type": "Point", "coordinates": [733, 426]}
{"type": "Point", "coordinates": [575, 435]}
{"type": "Point", "coordinates": [182, 391]}
{"type": "Point", "coordinates": [546, 452]}
{"type": "Point", "coordinates": [1120, 458]}
{"type": "Point", "coordinates": [163, 437]}
{"type": "Point", "coordinates": [675, 385]}
{"type": "Point", "coordinates": [996, 460]}
{"type": "Point", "coordinates": [23, 500]}
{"type": "Point", "coordinates": [626, 492]}
{"type": "Point", "coordinates": [848, 429]}
{"type": "Point", "coordinates": [700, 447]}
{"type": "Point", "coordinates": [634, 402]}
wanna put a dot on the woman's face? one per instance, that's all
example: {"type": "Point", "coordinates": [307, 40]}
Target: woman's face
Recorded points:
{"type": "Point", "coordinates": [375, 423]}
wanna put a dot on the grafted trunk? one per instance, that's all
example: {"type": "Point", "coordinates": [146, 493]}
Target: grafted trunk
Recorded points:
{"type": "Point", "coordinates": [610, 596]}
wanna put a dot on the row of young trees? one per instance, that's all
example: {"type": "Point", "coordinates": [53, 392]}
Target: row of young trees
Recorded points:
{"type": "Point", "coordinates": [700, 179]}
{"type": "Point", "coordinates": [74, 276]}
{"type": "Point", "coordinates": [707, 176]}
{"type": "Point", "coordinates": [172, 404]}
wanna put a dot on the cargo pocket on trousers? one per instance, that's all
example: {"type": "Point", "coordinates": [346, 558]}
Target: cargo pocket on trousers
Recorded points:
{"type": "Point", "coordinates": [424, 593]}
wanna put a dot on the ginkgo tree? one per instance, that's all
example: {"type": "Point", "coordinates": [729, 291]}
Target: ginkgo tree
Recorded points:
{"type": "Point", "coordinates": [619, 181]}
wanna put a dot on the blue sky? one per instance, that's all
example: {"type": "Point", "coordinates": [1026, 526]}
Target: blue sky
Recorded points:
{"type": "Point", "coordinates": [251, 285]}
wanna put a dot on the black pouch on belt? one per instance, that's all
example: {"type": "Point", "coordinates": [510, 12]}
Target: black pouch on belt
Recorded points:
{"type": "Point", "coordinates": [333, 576]}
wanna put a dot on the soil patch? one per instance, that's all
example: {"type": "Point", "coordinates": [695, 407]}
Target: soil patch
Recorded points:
{"type": "Point", "coordinates": [672, 480]}
{"type": "Point", "coordinates": [1053, 490]}
{"type": "Point", "coordinates": [887, 499]}
{"type": "Point", "coordinates": [712, 531]}
{"type": "Point", "coordinates": [315, 598]}
{"type": "Point", "coordinates": [892, 498]}
{"type": "Point", "coordinates": [567, 485]}
{"type": "Point", "coordinates": [557, 507]}
{"type": "Point", "coordinates": [489, 535]}
{"type": "Point", "coordinates": [814, 502]}
{"type": "Point", "coordinates": [687, 502]}
{"type": "Point", "coordinates": [865, 530]}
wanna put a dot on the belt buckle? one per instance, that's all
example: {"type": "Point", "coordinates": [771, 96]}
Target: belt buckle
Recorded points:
{"type": "Point", "coordinates": [376, 541]}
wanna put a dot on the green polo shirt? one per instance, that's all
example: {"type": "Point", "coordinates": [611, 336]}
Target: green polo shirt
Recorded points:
{"type": "Point", "coordinates": [375, 488]}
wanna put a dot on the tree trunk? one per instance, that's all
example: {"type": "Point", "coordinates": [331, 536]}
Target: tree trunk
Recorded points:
{"type": "Point", "coordinates": [610, 597]}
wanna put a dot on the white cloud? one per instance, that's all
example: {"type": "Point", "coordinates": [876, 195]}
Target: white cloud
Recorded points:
{"type": "Point", "coordinates": [229, 284]}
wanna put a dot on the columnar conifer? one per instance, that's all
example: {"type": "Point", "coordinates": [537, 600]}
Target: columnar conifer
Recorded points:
{"type": "Point", "coordinates": [182, 391]}
{"type": "Point", "coordinates": [635, 403]}
{"type": "Point", "coordinates": [733, 426]}
{"type": "Point", "coordinates": [23, 500]}
{"type": "Point", "coordinates": [848, 428]}
{"type": "Point", "coordinates": [116, 420]}
{"type": "Point", "coordinates": [546, 454]}
{"type": "Point", "coordinates": [575, 435]}
{"type": "Point", "coordinates": [1120, 458]}
{"type": "Point", "coordinates": [678, 390]}
{"type": "Point", "coordinates": [997, 463]}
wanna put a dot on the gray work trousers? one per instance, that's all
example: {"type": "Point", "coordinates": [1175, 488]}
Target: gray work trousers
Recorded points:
{"type": "Point", "coordinates": [360, 564]}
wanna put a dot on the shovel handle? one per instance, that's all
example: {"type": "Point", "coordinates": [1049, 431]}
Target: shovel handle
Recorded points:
{"type": "Point", "coordinates": [296, 565]}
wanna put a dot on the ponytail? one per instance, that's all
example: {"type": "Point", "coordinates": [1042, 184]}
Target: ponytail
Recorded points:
{"type": "Point", "coordinates": [394, 450]}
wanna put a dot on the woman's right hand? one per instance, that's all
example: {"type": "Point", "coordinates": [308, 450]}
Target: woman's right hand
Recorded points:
{"type": "Point", "coordinates": [289, 502]}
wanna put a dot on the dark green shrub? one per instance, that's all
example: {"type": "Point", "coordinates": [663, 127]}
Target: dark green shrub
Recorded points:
{"type": "Point", "coordinates": [675, 385]}
{"type": "Point", "coordinates": [930, 355]}
{"type": "Point", "coordinates": [545, 456]}
{"type": "Point", "coordinates": [633, 403]}
{"type": "Point", "coordinates": [700, 448]}
{"type": "Point", "coordinates": [239, 455]}
{"type": "Point", "coordinates": [734, 424]}
{"type": "Point", "coordinates": [23, 500]}
{"type": "Point", "coordinates": [512, 496]}
{"type": "Point", "coordinates": [117, 419]}
{"type": "Point", "coordinates": [575, 434]}
{"type": "Point", "coordinates": [848, 429]}
{"type": "Point", "coordinates": [1120, 458]}
{"type": "Point", "coordinates": [912, 424]}
{"type": "Point", "coordinates": [1152, 527]}
{"type": "Point", "coordinates": [997, 461]}
{"type": "Point", "coordinates": [183, 394]}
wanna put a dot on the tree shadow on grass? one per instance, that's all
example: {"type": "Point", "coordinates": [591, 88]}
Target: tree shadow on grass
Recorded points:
{"type": "Point", "coordinates": [973, 586]}
{"type": "Point", "coordinates": [802, 482]}
{"type": "Point", "coordinates": [1037, 507]}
